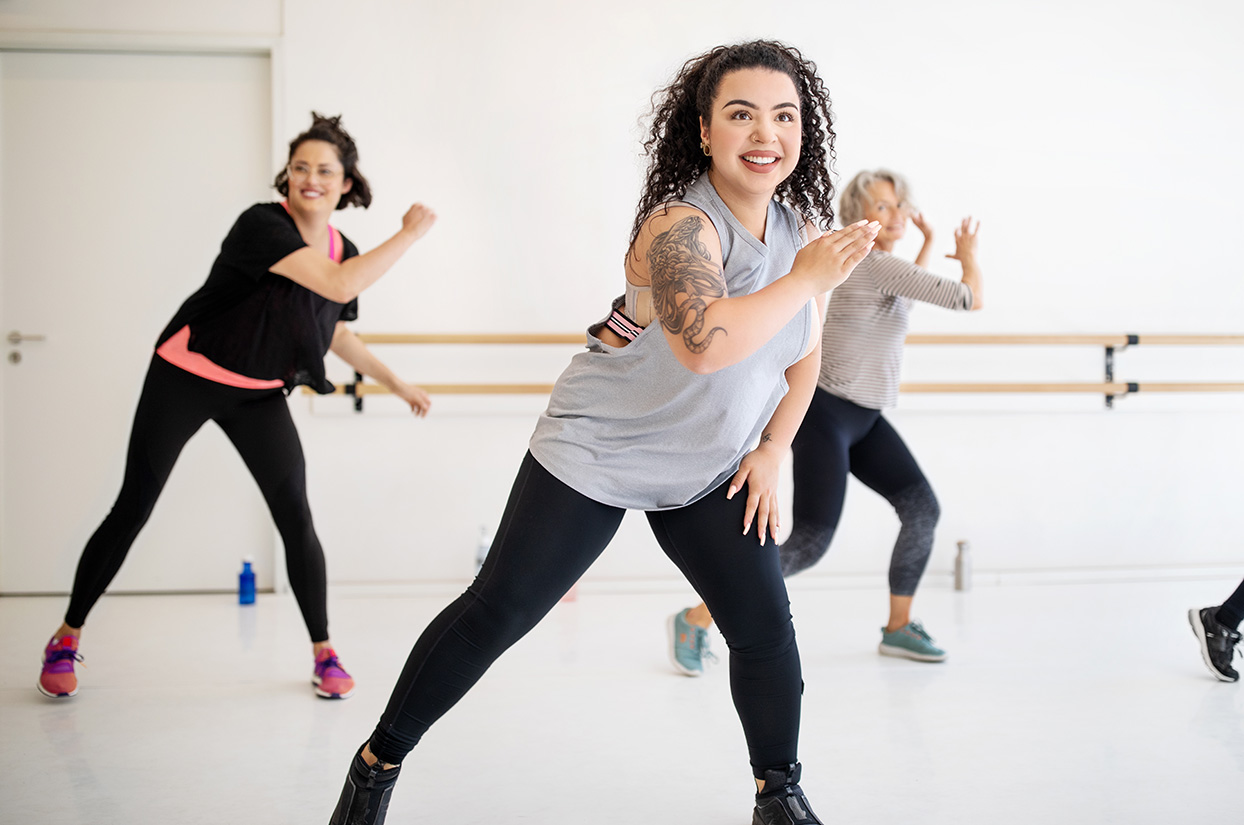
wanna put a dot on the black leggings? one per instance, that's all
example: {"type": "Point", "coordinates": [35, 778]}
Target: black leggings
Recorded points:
{"type": "Point", "coordinates": [173, 406]}
{"type": "Point", "coordinates": [838, 437]}
{"type": "Point", "coordinates": [1231, 612]}
{"type": "Point", "coordinates": [549, 535]}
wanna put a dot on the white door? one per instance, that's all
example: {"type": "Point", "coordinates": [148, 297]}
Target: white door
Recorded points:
{"type": "Point", "coordinates": [119, 176]}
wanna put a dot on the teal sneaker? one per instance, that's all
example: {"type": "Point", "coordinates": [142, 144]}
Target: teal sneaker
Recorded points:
{"type": "Point", "coordinates": [910, 642]}
{"type": "Point", "coordinates": [688, 645]}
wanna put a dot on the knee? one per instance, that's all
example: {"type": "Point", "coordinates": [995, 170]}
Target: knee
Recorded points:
{"type": "Point", "coordinates": [494, 623]}
{"type": "Point", "coordinates": [758, 639]}
{"type": "Point", "coordinates": [917, 506]}
{"type": "Point", "coordinates": [805, 546]}
{"type": "Point", "coordinates": [290, 509]}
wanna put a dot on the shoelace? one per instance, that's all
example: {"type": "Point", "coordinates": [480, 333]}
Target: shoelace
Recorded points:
{"type": "Point", "coordinates": [701, 643]}
{"type": "Point", "coordinates": [1226, 639]}
{"type": "Point", "coordinates": [63, 654]}
{"type": "Point", "coordinates": [332, 662]}
{"type": "Point", "coordinates": [918, 629]}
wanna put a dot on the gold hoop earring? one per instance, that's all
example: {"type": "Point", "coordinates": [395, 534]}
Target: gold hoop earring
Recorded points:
{"type": "Point", "coordinates": [704, 148]}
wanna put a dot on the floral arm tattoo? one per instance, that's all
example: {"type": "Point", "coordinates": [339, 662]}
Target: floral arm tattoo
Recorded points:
{"type": "Point", "coordinates": [682, 274]}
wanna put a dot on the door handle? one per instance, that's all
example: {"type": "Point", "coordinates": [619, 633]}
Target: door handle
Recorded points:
{"type": "Point", "coordinates": [16, 338]}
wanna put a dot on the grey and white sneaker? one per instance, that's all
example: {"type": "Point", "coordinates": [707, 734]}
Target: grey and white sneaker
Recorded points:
{"type": "Point", "coordinates": [1217, 643]}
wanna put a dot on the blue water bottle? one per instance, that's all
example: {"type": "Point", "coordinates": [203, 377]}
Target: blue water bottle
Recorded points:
{"type": "Point", "coordinates": [246, 583]}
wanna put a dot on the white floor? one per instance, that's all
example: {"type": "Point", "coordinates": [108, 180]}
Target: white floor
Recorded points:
{"type": "Point", "coordinates": [1059, 704]}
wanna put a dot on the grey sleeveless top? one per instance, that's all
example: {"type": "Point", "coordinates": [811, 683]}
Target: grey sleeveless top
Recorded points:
{"type": "Point", "coordinates": [631, 427]}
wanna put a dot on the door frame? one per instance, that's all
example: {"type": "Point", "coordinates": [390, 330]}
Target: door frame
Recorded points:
{"type": "Point", "coordinates": [269, 47]}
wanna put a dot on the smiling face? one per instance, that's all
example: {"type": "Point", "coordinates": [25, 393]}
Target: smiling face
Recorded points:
{"type": "Point", "coordinates": [316, 178]}
{"type": "Point", "coordinates": [755, 132]}
{"type": "Point", "coordinates": [887, 210]}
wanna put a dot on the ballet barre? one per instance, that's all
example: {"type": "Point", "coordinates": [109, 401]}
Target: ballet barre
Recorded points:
{"type": "Point", "coordinates": [1109, 388]}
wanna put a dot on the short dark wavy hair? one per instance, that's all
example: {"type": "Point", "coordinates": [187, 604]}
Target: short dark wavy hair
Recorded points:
{"type": "Point", "coordinates": [330, 130]}
{"type": "Point", "coordinates": [673, 144]}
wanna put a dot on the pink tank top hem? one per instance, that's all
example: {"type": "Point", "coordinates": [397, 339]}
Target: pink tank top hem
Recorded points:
{"type": "Point", "coordinates": [177, 352]}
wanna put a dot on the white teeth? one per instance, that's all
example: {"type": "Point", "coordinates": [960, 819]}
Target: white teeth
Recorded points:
{"type": "Point", "coordinates": [759, 161]}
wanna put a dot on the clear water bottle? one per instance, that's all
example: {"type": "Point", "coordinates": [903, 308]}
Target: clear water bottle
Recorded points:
{"type": "Point", "coordinates": [246, 583]}
{"type": "Point", "coordinates": [963, 567]}
{"type": "Point", "coordinates": [482, 548]}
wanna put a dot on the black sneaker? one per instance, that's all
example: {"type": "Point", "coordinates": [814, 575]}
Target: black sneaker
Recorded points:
{"type": "Point", "coordinates": [782, 801]}
{"type": "Point", "coordinates": [365, 797]}
{"type": "Point", "coordinates": [1217, 643]}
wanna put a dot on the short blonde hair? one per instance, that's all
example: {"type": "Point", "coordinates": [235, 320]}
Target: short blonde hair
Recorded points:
{"type": "Point", "coordinates": [856, 198]}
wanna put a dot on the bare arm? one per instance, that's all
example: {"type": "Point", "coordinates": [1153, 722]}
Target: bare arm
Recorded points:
{"type": "Point", "coordinates": [679, 253]}
{"type": "Point", "coordinates": [342, 282]}
{"type": "Point", "coordinates": [349, 348]}
{"type": "Point", "coordinates": [760, 468]}
{"type": "Point", "coordinates": [965, 254]}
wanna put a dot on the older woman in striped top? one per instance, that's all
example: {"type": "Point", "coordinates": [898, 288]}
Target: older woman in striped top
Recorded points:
{"type": "Point", "coordinates": [845, 431]}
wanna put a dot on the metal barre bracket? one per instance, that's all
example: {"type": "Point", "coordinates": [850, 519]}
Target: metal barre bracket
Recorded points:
{"type": "Point", "coordinates": [1132, 340]}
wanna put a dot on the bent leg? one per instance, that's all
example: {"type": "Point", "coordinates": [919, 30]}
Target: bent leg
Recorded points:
{"type": "Point", "coordinates": [548, 536]}
{"type": "Point", "coordinates": [171, 409]}
{"type": "Point", "coordinates": [820, 466]}
{"type": "Point", "coordinates": [882, 462]}
{"type": "Point", "coordinates": [265, 436]}
{"type": "Point", "coordinates": [741, 582]}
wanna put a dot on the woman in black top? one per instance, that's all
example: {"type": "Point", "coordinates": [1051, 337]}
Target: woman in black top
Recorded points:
{"type": "Point", "coordinates": [274, 303]}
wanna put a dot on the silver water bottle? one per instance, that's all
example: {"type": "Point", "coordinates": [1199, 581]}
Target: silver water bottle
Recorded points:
{"type": "Point", "coordinates": [963, 567]}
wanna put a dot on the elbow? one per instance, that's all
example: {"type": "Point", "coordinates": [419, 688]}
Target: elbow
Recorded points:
{"type": "Point", "coordinates": [700, 363]}
{"type": "Point", "coordinates": [341, 292]}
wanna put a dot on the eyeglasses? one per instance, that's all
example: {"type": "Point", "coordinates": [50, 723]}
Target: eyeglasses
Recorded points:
{"type": "Point", "coordinates": [302, 171]}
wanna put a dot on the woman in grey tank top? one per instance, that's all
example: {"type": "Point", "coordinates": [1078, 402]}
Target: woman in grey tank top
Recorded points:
{"type": "Point", "coordinates": [688, 421]}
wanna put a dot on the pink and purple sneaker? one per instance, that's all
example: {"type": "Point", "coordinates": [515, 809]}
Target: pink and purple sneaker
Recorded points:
{"type": "Point", "coordinates": [57, 679]}
{"type": "Point", "coordinates": [330, 678]}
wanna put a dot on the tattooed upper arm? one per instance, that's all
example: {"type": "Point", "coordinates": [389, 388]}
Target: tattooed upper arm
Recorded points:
{"type": "Point", "coordinates": [685, 280]}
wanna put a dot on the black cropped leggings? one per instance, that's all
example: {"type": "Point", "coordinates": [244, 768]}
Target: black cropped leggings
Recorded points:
{"type": "Point", "coordinates": [838, 437]}
{"type": "Point", "coordinates": [173, 406]}
{"type": "Point", "coordinates": [549, 535]}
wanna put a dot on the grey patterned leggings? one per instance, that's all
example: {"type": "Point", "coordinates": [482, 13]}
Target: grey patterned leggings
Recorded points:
{"type": "Point", "coordinates": [838, 437]}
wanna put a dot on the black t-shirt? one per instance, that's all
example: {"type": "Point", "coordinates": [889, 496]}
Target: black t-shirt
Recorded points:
{"type": "Point", "coordinates": [255, 322]}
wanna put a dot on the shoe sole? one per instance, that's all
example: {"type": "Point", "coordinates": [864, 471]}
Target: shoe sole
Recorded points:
{"type": "Point", "coordinates": [1198, 630]}
{"type": "Point", "coordinates": [51, 695]}
{"type": "Point", "coordinates": [678, 666]}
{"type": "Point", "coordinates": [324, 694]}
{"type": "Point", "coordinates": [903, 653]}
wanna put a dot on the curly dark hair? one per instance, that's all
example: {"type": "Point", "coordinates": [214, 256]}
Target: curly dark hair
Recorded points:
{"type": "Point", "coordinates": [673, 144]}
{"type": "Point", "coordinates": [330, 130]}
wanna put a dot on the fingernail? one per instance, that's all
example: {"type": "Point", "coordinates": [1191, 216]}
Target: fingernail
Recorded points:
{"type": "Point", "coordinates": [730, 493]}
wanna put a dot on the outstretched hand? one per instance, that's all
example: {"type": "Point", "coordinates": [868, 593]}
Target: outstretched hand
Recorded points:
{"type": "Point", "coordinates": [921, 222]}
{"type": "Point", "coordinates": [418, 220]}
{"type": "Point", "coordinates": [829, 259]}
{"type": "Point", "coordinates": [420, 402]}
{"type": "Point", "coordinates": [965, 240]}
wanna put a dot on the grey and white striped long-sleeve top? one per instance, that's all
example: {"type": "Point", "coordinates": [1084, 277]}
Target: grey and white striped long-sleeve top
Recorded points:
{"type": "Point", "coordinates": [866, 324]}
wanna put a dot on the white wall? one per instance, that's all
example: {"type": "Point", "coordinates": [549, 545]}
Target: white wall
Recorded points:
{"type": "Point", "coordinates": [1095, 140]}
